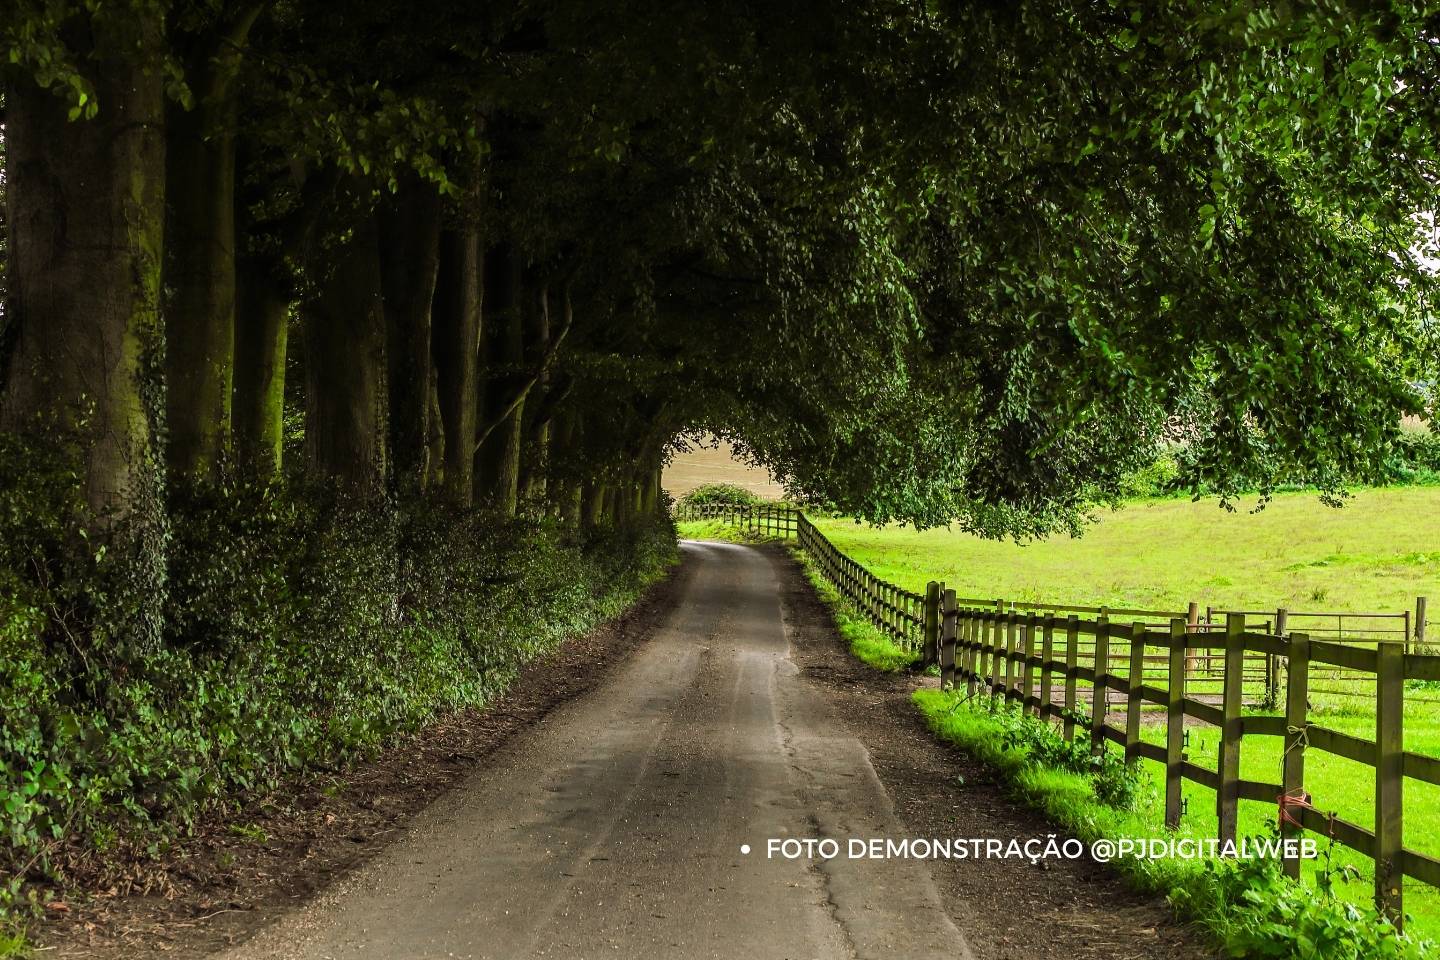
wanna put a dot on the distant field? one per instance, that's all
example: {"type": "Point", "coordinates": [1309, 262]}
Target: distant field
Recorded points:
{"type": "Point", "coordinates": [1375, 554]}
{"type": "Point", "coordinates": [699, 467]}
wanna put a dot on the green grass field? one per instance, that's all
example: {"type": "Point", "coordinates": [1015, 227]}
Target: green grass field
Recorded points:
{"type": "Point", "coordinates": [1376, 554]}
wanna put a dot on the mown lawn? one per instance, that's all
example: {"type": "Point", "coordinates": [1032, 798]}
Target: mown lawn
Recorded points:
{"type": "Point", "coordinates": [1375, 554]}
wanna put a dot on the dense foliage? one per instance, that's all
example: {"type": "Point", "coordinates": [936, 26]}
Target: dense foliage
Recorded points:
{"type": "Point", "coordinates": [927, 262]}
{"type": "Point", "coordinates": [301, 628]}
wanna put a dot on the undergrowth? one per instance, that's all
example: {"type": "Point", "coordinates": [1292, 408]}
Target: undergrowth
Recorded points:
{"type": "Point", "coordinates": [1248, 907]}
{"type": "Point", "coordinates": [297, 629]}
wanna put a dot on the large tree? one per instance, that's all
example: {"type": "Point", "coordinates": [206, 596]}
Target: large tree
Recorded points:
{"type": "Point", "coordinates": [85, 172]}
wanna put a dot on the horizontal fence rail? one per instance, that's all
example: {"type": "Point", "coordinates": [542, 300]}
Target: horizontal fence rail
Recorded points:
{"type": "Point", "coordinates": [1096, 670]}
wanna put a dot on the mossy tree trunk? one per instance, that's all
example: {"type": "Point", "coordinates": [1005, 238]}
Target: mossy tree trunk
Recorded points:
{"type": "Point", "coordinates": [566, 492]}
{"type": "Point", "coordinates": [435, 440]}
{"type": "Point", "coordinates": [86, 211]}
{"type": "Point", "coordinates": [539, 410]}
{"type": "Point", "coordinates": [200, 274]}
{"type": "Point", "coordinates": [650, 493]}
{"type": "Point", "coordinates": [200, 267]}
{"type": "Point", "coordinates": [262, 325]}
{"type": "Point", "coordinates": [595, 496]}
{"type": "Point", "coordinates": [455, 345]}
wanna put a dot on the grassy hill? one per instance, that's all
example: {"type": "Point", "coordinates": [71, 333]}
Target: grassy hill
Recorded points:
{"type": "Point", "coordinates": [1376, 553]}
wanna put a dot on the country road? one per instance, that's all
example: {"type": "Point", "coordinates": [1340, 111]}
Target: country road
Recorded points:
{"type": "Point", "coordinates": [614, 827]}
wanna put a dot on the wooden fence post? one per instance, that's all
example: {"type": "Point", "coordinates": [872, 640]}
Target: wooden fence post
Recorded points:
{"type": "Point", "coordinates": [947, 640]}
{"type": "Point", "coordinates": [1419, 625]}
{"type": "Point", "coordinates": [1072, 662]}
{"type": "Point", "coordinates": [1272, 661]}
{"type": "Point", "coordinates": [1099, 694]}
{"type": "Point", "coordinates": [892, 610]}
{"type": "Point", "coordinates": [1133, 703]}
{"type": "Point", "coordinates": [1027, 670]}
{"type": "Point", "coordinates": [1012, 644]}
{"type": "Point", "coordinates": [997, 657]}
{"type": "Point", "coordinates": [971, 653]}
{"type": "Point", "coordinates": [1227, 798]}
{"type": "Point", "coordinates": [982, 651]}
{"type": "Point", "coordinates": [1192, 625]}
{"type": "Point", "coordinates": [1297, 706]}
{"type": "Point", "coordinates": [1179, 666]}
{"type": "Point", "coordinates": [1389, 777]}
{"type": "Point", "coordinates": [1047, 653]}
{"type": "Point", "coordinates": [929, 652]}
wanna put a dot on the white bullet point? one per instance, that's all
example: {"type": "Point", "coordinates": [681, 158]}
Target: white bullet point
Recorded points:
{"type": "Point", "coordinates": [744, 848]}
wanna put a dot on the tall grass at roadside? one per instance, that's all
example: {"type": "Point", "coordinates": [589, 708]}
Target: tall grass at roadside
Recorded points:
{"type": "Point", "coordinates": [867, 643]}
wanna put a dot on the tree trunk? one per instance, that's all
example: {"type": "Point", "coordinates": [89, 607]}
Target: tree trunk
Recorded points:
{"type": "Point", "coordinates": [649, 493]}
{"type": "Point", "coordinates": [595, 496]}
{"type": "Point", "coordinates": [568, 495]}
{"type": "Point", "coordinates": [456, 348]}
{"type": "Point", "coordinates": [262, 327]}
{"type": "Point", "coordinates": [435, 441]}
{"type": "Point", "coordinates": [200, 273]}
{"type": "Point", "coordinates": [536, 440]}
{"type": "Point", "coordinates": [200, 265]}
{"type": "Point", "coordinates": [410, 231]}
{"type": "Point", "coordinates": [503, 467]}
{"type": "Point", "coordinates": [499, 466]}
{"type": "Point", "coordinates": [345, 370]}
{"type": "Point", "coordinates": [86, 215]}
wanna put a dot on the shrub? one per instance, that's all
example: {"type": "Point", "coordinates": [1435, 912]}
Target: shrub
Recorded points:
{"type": "Point", "coordinates": [720, 494]}
{"type": "Point", "coordinates": [1417, 460]}
{"type": "Point", "coordinates": [1116, 783]}
{"type": "Point", "coordinates": [1159, 479]}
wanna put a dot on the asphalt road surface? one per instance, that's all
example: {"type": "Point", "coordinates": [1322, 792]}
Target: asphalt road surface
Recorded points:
{"type": "Point", "coordinates": [614, 828]}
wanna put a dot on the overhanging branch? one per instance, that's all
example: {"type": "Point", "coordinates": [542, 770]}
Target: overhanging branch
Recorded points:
{"type": "Point", "coordinates": [546, 361]}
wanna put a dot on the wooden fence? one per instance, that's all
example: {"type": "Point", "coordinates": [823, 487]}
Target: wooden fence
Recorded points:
{"type": "Point", "coordinates": [986, 652]}
{"type": "Point", "coordinates": [1048, 658]}
{"type": "Point", "coordinates": [905, 617]}
{"type": "Point", "coordinates": [765, 519]}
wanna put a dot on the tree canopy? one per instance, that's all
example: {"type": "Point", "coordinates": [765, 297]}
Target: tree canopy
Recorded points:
{"type": "Point", "coordinates": [927, 261]}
